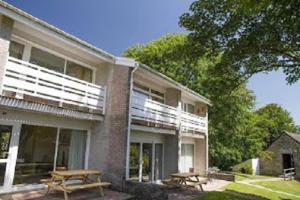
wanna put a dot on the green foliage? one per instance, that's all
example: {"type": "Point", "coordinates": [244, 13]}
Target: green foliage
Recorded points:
{"type": "Point", "coordinates": [246, 169]}
{"type": "Point", "coordinates": [274, 120]}
{"type": "Point", "coordinates": [251, 36]}
{"type": "Point", "coordinates": [232, 137]}
{"type": "Point", "coordinates": [235, 132]}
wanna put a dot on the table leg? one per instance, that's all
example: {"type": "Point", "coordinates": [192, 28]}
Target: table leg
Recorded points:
{"type": "Point", "coordinates": [100, 187]}
{"type": "Point", "coordinates": [201, 188]}
{"type": "Point", "coordinates": [65, 192]}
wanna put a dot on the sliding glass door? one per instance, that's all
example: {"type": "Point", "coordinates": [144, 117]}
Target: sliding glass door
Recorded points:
{"type": "Point", "coordinates": [71, 149]}
{"type": "Point", "coordinates": [187, 158]}
{"type": "Point", "coordinates": [42, 149]}
{"type": "Point", "coordinates": [5, 138]}
{"type": "Point", "coordinates": [146, 161]}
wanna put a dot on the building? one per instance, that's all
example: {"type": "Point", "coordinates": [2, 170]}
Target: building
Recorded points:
{"type": "Point", "coordinates": [66, 103]}
{"type": "Point", "coordinates": [285, 154]}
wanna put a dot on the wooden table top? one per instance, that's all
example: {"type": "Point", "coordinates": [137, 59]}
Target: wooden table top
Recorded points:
{"type": "Point", "coordinates": [185, 174]}
{"type": "Point", "coordinates": [81, 172]}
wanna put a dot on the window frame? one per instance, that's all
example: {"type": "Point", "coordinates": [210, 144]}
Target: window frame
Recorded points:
{"type": "Point", "coordinates": [27, 54]}
{"type": "Point", "coordinates": [149, 92]}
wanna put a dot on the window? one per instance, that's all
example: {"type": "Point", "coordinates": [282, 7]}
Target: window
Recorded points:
{"type": "Point", "coordinates": [71, 149]}
{"type": "Point", "coordinates": [149, 92]}
{"type": "Point", "coordinates": [79, 71]}
{"type": "Point", "coordinates": [186, 107]}
{"type": "Point", "coordinates": [16, 50]}
{"type": "Point", "coordinates": [47, 60]}
{"type": "Point", "coordinates": [35, 154]}
{"type": "Point", "coordinates": [187, 157]}
{"type": "Point", "coordinates": [38, 146]}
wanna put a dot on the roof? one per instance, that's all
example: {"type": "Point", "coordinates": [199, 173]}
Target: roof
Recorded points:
{"type": "Point", "coordinates": [295, 136]}
{"type": "Point", "coordinates": [176, 84]}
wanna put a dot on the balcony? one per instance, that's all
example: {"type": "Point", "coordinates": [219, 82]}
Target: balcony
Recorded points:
{"type": "Point", "coordinates": [25, 78]}
{"type": "Point", "coordinates": [152, 112]}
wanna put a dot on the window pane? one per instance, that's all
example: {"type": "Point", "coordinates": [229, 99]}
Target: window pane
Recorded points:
{"type": "Point", "coordinates": [157, 93]}
{"type": "Point", "coordinates": [191, 109]}
{"type": "Point", "coordinates": [2, 173]}
{"type": "Point", "coordinates": [35, 154]}
{"type": "Point", "coordinates": [16, 50]}
{"type": "Point", "coordinates": [139, 86]}
{"type": "Point", "coordinates": [147, 162]}
{"type": "Point", "coordinates": [71, 149]}
{"type": "Point", "coordinates": [5, 135]}
{"type": "Point", "coordinates": [134, 161]}
{"type": "Point", "coordinates": [79, 71]}
{"type": "Point", "coordinates": [47, 60]}
{"type": "Point", "coordinates": [158, 161]}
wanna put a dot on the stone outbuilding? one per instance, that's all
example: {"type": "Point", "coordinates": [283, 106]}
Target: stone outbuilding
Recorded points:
{"type": "Point", "coordinates": [285, 154]}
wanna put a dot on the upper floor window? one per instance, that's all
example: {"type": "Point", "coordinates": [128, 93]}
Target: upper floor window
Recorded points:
{"type": "Point", "coordinates": [47, 60]}
{"type": "Point", "coordinates": [50, 61]}
{"type": "Point", "coordinates": [16, 50]}
{"type": "Point", "coordinates": [186, 107]}
{"type": "Point", "coordinates": [78, 71]}
{"type": "Point", "coordinates": [149, 92]}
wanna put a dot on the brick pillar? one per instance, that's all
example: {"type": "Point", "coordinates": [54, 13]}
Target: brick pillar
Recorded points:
{"type": "Point", "coordinates": [109, 138]}
{"type": "Point", "coordinates": [6, 25]}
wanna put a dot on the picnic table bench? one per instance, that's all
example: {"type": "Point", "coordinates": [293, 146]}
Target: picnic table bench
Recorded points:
{"type": "Point", "coordinates": [190, 179]}
{"type": "Point", "coordinates": [59, 179]}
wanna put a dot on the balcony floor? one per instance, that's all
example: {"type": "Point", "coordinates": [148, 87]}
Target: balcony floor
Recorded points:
{"type": "Point", "coordinates": [92, 194]}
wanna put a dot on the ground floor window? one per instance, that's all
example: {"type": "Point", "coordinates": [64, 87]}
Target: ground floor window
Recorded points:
{"type": "Point", "coordinates": [146, 161]}
{"type": "Point", "coordinates": [187, 158]}
{"type": "Point", "coordinates": [42, 149]}
{"type": "Point", "coordinates": [5, 138]}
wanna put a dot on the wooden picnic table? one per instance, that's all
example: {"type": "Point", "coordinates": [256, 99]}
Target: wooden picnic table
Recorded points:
{"type": "Point", "coordinates": [189, 179]}
{"type": "Point", "coordinates": [59, 179]}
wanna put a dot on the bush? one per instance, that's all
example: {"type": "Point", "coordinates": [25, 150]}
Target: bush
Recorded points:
{"type": "Point", "coordinates": [246, 169]}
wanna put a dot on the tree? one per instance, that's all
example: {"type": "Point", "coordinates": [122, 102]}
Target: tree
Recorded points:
{"type": "Point", "coordinates": [232, 135]}
{"type": "Point", "coordinates": [274, 120]}
{"type": "Point", "coordinates": [252, 36]}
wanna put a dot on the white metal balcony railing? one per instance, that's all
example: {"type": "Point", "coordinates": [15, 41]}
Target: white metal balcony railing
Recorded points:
{"type": "Point", "coordinates": [151, 111]}
{"type": "Point", "coordinates": [26, 78]}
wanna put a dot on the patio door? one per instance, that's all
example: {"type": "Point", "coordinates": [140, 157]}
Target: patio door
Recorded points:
{"type": "Point", "coordinates": [8, 146]}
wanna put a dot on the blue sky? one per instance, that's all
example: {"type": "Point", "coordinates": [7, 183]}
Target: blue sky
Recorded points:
{"type": "Point", "coordinates": [114, 25]}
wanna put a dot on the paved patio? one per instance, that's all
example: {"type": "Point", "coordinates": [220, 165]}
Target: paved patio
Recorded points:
{"type": "Point", "coordinates": [92, 194]}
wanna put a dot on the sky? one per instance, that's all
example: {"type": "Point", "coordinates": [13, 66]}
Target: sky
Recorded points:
{"type": "Point", "coordinates": [115, 25]}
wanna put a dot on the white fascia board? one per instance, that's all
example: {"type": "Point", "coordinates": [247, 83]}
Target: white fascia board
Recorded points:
{"type": "Point", "coordinates": [127, 62]}
{"type": "Point", "coordinates": [37, 24]}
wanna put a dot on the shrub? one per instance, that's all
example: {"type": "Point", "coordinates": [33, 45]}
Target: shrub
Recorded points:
{"type": "Point", "coordinates": [246, 169]}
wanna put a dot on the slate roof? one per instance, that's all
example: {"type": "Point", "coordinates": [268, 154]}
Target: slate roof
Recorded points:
{"type": "Point", "coordinates": [295, 136]}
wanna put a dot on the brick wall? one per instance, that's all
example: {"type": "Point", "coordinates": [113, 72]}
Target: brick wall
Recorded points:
{"type": "Point", "coordinates": [109, 138]}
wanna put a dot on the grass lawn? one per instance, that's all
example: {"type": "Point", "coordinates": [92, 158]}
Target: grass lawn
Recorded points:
{"type": "Point", "coordinates": [292, 187]}
{"type": "Point", "coordinates": [219, 196]}
{"type": "Point", "coordinates": [239, 191]}
{"type": "Point", "coordinates": [263, 194]}
{"type": "Point", "coordinates": [240, 177]}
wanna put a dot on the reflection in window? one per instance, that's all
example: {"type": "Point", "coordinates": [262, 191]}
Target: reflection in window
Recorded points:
{"type": "Point", "coordinates": [134, 161]}
{"type": "Point", "coordinates": [79, 71]}
{"type": "Point", "coordinates": [5, 136]}
{"type": "Point", "coordinates": [47, 60]}
{"type": "Point", "coordinates": [35, 154]}
{"type": "Point", "coordinates": [16, 50]}
{"type": "Point", "coordinates": [71, 149]}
